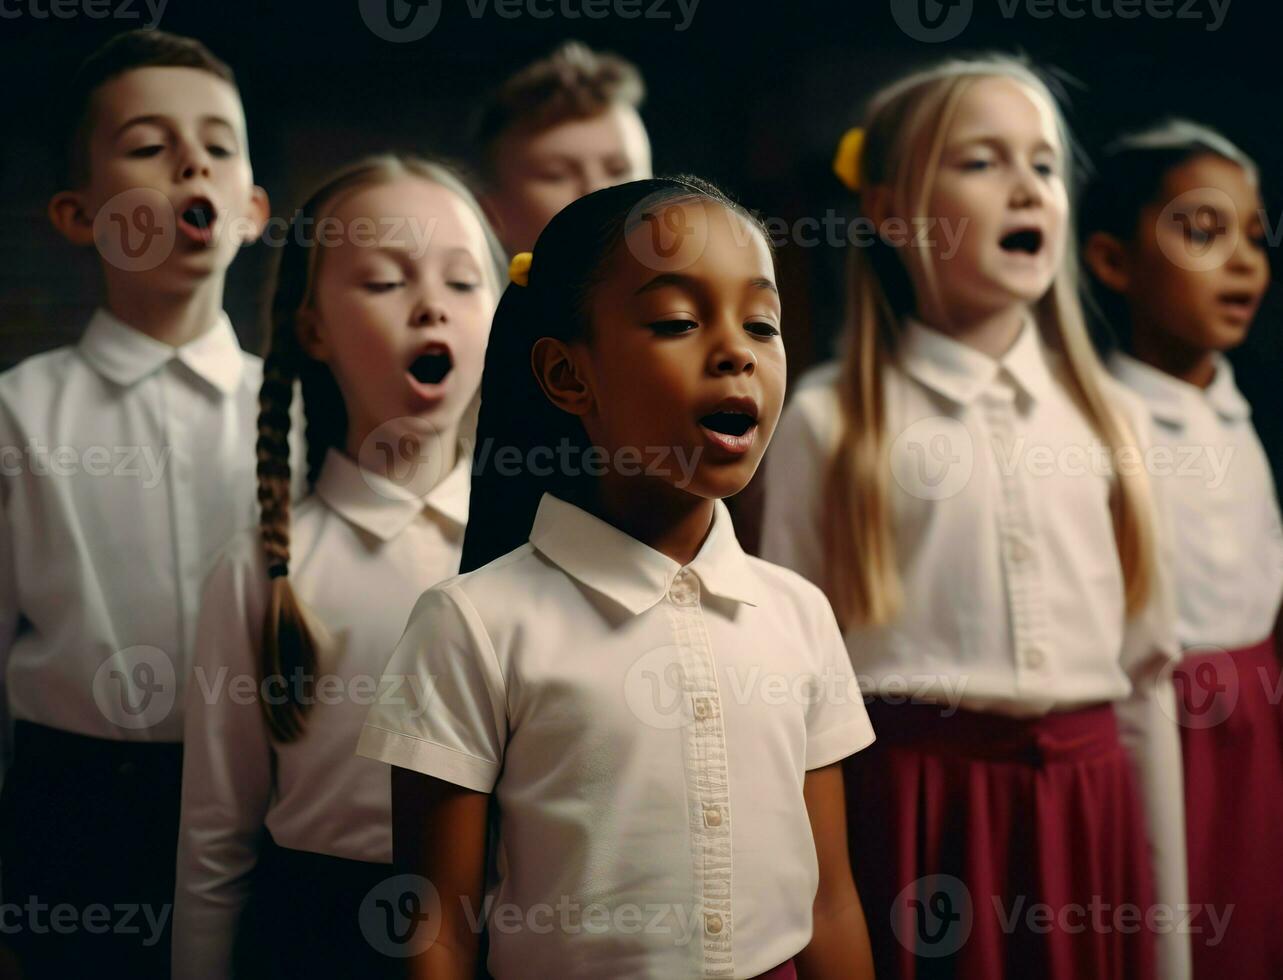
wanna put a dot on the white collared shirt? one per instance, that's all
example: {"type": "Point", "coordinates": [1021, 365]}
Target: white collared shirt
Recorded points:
{"type": "Point", "coordinates": [127, 464]}
{"type": "Point", "coordinates": [1012, 585]}
{"type": "Point", "coordinates": [1224, 511]}
{"type": "Point", "coordinates": [363, 549]}
{"type": "Point", "coordinates": [646, 729]}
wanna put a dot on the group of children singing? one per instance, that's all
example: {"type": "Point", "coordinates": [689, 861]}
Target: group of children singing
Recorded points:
{"type": "Point", "coordinates": [460, 665]}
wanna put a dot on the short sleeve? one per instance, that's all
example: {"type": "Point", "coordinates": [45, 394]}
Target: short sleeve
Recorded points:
{"type": "Point", "coordinates": [443, 711]}
{"type": "Point", "coordinates": [792, 535]}
{"type": "Point", "coordinates": [837, 724]}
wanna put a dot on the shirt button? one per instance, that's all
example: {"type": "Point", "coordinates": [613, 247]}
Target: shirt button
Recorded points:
{"type": "Point", "coordinates": [1034, 657]}
{"type": "Point", "coordinates": [1018, 550]}
{"type": "Point", "coordinates": [712, 817]}
{"type": "Point", "coordinates": [713, 923]}
{"type": "Point", "coordinates": [684, 590]}
{"type": "Point", "coordinates": [704, 709]}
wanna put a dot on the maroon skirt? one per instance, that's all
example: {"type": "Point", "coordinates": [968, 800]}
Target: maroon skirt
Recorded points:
{"type": "Point", "coordinates": [1232, 741]}
{"type": "Point", "coordinates": [997, 848]}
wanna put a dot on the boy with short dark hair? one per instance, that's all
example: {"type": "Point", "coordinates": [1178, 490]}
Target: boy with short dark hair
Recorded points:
{"type": "Point", "coordinates": [126, 459]}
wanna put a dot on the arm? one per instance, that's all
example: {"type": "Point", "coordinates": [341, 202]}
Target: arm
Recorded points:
{"type": "Point", "coordinates": [439, 833]}
{"type": "Point", "coordinates": [1147, 721]}
{"type": "Point", "coordinates": [839, 946]}
{"type": "Point", "coordinates": [226, 774]}
{"type": "Point", "coordinates": [1147, 728]}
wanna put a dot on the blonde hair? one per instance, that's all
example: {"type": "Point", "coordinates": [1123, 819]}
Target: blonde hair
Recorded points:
{"type": "Point", "coordinates": [905, 128]}
{"type": "Point", "coordinates": [289, 644]}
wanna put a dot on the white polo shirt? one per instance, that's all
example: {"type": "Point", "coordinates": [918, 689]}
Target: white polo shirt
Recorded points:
{"type": "Point", "coordinates": [1013, 589]}
{"type": "Point", "coordinates": [1224, 509]}
{"type": "Point", "coordinates": [363, 549]}
{"type": "Point", "coordinates": [646, 729]}
{"type": "Point", "coordinates": [127, 465]}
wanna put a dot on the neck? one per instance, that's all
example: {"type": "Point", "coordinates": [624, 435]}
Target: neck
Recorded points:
{"type": "Point", "coordinates": [1160, 350]}
{"type": "Point", "coordinates": [418, 464]}
{"type": "Point", "coordinates": [672, 522]}
{"type": "Point", "coordinates": [172, 318]}
{"type": "Point", "coordinates": [991, 332]}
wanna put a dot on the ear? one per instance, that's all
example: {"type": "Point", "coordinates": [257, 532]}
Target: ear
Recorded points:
{"type": "Point", "coordinates": [560, 377]}
{"type": "Point", "coordinates": [307, 328]}
{"type": "Point", "coordinates": [1106, 257]}
{"type": "Point", "coordinates": [260, 209]}
{"type": "Point", "coordinates": [70, 215]}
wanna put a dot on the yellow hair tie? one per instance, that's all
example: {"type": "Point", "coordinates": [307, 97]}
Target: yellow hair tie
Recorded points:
{"type": "Point", "coordinates": [519, 268]}
{"type": "Point", "coordinates": [846, 162]}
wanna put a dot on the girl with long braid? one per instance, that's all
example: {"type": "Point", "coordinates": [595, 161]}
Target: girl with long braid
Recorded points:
{"type": "Point", "coordinates": [381, 314]}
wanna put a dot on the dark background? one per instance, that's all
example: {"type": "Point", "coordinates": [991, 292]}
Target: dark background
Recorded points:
{"type": "Point", "coordinates": [753, 95]}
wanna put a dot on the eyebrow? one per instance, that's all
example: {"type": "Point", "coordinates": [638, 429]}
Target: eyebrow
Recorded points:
{"type": "Point", "coordinates": [689, 282]}
{"type": "Point", "coordinates": [999, 142]}
{"type": "Point", "coordinates": [159, 120]}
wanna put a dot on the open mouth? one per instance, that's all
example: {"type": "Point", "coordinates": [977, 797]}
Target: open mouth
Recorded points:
{"type": "Point", "coordinates": [1244, 304]}
{"type": "Point", "coordinates": [733, 425]}
{"type": "Point", "coordinates": [196, 220]}
{"type": "Point", "coordinates": [432, 365]}
{"type": "Point", "coordinates": [1027, 241]}
{"type": "Point", "coordinates": [728, 423]}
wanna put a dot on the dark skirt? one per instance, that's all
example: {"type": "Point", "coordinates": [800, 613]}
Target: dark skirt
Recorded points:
{"type": "Point", "coordinates": [997, 848]}
{"type": "Point", "coordinates": [317, 917]}
{"type": "Point", "coordinates": [1232, 741]}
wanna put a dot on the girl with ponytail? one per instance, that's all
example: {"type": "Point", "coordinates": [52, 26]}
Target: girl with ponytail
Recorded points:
{"type": "Point", "coordinates": [967, 485]}
{"type": "Point", "coordinates": [380, 316]}
{"type": "Point", "coordinates": [646, 719]}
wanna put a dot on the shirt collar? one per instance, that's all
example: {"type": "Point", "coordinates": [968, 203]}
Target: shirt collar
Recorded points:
{"type": "Point", "coordinates": [124, 355]}
{"type": "Point", "coordinates": [1171, 399]}
{"type": "Point", "coordinates": [385, 508]}
{"type": "Point", "coordinates": [630, 573]}
{"type": "Point", "coordinates": [960, 373]}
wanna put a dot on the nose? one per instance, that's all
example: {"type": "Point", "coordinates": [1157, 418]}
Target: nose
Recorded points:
{"type": "Point", "coordinates": [193, 160]}
{"type": "Point", "coordinates": [1246, 257]}
{"type": "Point", "coordinates": [732, 355]}
{"type": "Point", "coordinates": [428, 313]}
{"type": "Point", "coordinates": [1026, 190]}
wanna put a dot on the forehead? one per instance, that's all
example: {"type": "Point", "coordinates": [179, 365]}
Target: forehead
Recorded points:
{"type": "Point", "coordinates": [694, 237]}
{"type": "Point", "coordinates": [1211, 176]}
{"type": "Point", "coordinates": [1006, 109]}
{"type": "Point", "coordinates": [414, 212]}
{"type": "Point", "coordinates": [186, 94]}
{"type": "Point", "coordinates": [615, 130]}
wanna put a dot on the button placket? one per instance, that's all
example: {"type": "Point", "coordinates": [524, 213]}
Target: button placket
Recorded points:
{"type": "Point", "coordinates": [707, 776]}
{"type": "Point", "coordinates": [1026, 606]}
